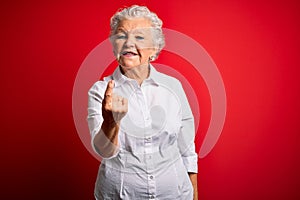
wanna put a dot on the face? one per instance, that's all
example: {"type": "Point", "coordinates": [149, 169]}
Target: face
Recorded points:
{"type": "Point", "coordinates": [133, 43]}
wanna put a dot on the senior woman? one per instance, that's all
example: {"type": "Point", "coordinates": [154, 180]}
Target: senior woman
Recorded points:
{"type": "Point", "coordinates": [140, 120]}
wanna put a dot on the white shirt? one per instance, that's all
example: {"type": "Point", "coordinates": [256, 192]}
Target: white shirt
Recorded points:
{"type": "Point", "coordinates": [156, 140]}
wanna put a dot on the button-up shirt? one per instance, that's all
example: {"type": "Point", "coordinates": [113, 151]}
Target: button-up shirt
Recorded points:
{"type": "Point", "coordinates": [156, 147]}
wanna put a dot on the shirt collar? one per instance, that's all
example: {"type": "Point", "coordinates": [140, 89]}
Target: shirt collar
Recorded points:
{"type": "Point", "coordinates": [153, 76]}
{"type": "Point", "coordinates": [120, 78]}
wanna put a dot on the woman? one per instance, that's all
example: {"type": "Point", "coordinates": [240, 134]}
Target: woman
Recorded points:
{"type": "Point", "coordinates": [140, 120]}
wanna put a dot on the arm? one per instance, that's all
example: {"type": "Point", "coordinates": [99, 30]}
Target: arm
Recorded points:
{"type": "Point", "coordinates": [113, 108]}
{"type": "Point", "coordinates": [106, 141]}
{"type": "Point", "coordinates": [193, 178]}
{"type": "Point", "coordinates": [186, 142]}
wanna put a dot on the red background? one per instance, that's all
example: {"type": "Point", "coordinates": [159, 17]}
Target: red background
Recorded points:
{"type": "Point", "coordinates": [255, 46]}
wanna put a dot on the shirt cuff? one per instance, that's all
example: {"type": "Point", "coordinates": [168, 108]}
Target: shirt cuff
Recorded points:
{"type": "Point", "coordinates": [191, 163]}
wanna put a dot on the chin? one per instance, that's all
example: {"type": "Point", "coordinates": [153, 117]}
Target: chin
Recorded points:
{"type": "Point", "coordinates": [127, 66]}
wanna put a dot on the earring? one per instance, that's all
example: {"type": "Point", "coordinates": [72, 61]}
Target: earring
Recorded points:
{"type": "Point", "coordinates": [151, 58]}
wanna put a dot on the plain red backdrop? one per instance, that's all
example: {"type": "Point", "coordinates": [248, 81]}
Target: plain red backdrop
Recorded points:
{"type": "Point", "coordinates": [255, 45]}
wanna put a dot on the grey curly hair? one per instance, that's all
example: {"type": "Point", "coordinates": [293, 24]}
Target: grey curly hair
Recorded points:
{"type": "Point", "coordinates": [136, 11]}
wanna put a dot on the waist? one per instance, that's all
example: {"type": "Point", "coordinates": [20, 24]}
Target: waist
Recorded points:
{"type": "Point", "coordinates": [148, 162]}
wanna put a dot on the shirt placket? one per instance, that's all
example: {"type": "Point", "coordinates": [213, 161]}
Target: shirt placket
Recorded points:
{"type": "Point", "coordinates": [148, 146]}
{"type": "Point", "coordinates": [150, 167]}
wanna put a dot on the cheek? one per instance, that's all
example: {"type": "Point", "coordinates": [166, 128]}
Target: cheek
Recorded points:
{"type": "Point", "coordinates": [146, 47]}
{"type": "Point", "coordinates": [143, 53]}
{"type": "Point", "coordinates": [117, 46]}
{"type": "Point", "coordinates": [147, 52]}
{"type": "Point", "coordinates": [145, 44]}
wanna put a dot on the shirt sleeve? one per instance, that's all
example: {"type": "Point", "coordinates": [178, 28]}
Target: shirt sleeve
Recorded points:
{"type": "Point", "coordinates": [94, 118]}
{"type": "Point", "coordinates": [186, 135]}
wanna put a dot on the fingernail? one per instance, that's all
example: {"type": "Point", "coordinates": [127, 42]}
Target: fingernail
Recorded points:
{"type": "Point", "coordinates": [111, 83]}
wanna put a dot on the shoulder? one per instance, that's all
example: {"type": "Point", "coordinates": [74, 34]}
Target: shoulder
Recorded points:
{"type": "Point", "coordinates": [168, 80]}
{"type": "Point", "coordinates": [172, 84]}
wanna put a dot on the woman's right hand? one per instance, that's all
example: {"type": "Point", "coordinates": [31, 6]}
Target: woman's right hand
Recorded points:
{"type": "Point", "coordinates": [114, 107]}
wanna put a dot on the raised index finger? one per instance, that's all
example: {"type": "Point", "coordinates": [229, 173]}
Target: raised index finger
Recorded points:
{"type": "Point", "coordinates": [109, 88]}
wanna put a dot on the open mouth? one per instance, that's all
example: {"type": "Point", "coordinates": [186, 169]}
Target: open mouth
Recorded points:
{"type": "Point", "coordinates": [128, 53]}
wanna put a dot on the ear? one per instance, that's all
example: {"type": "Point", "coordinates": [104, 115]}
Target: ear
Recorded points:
{"type": "Point", "coordinates": [154, 54]}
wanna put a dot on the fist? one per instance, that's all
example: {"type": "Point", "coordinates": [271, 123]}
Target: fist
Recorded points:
{"type": "Point", "coordinates": [114, 107]}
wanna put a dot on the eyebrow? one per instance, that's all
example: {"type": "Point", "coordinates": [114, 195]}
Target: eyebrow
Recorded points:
{"type": "Point", "coordinates": [136, 30]}
{"type": "Point", "coordinates": [121, 30]}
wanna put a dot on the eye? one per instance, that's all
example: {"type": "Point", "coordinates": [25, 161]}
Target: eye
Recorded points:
{"type": "Point", "coordinates": [120, 36]}
{"type": "Point", "coordinates": [139, 37]}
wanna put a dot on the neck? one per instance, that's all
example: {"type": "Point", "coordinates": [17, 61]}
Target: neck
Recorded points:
{"type": "Point", "coordinates": [139, 73]}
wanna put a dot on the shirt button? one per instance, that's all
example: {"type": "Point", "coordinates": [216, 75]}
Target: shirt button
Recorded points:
{"type": "Point", "coordinates": [151, 177]}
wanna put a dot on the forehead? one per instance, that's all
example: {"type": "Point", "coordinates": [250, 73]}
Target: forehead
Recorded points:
{"type": "Point", "coordinates": [134, 24]}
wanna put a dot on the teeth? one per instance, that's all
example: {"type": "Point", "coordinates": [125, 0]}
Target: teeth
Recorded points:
{"type": "Point", "coordinates": [128, 52]}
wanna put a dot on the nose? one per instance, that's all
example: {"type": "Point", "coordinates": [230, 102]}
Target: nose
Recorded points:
{"type": "Point", "coordinates": [129, 42]}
